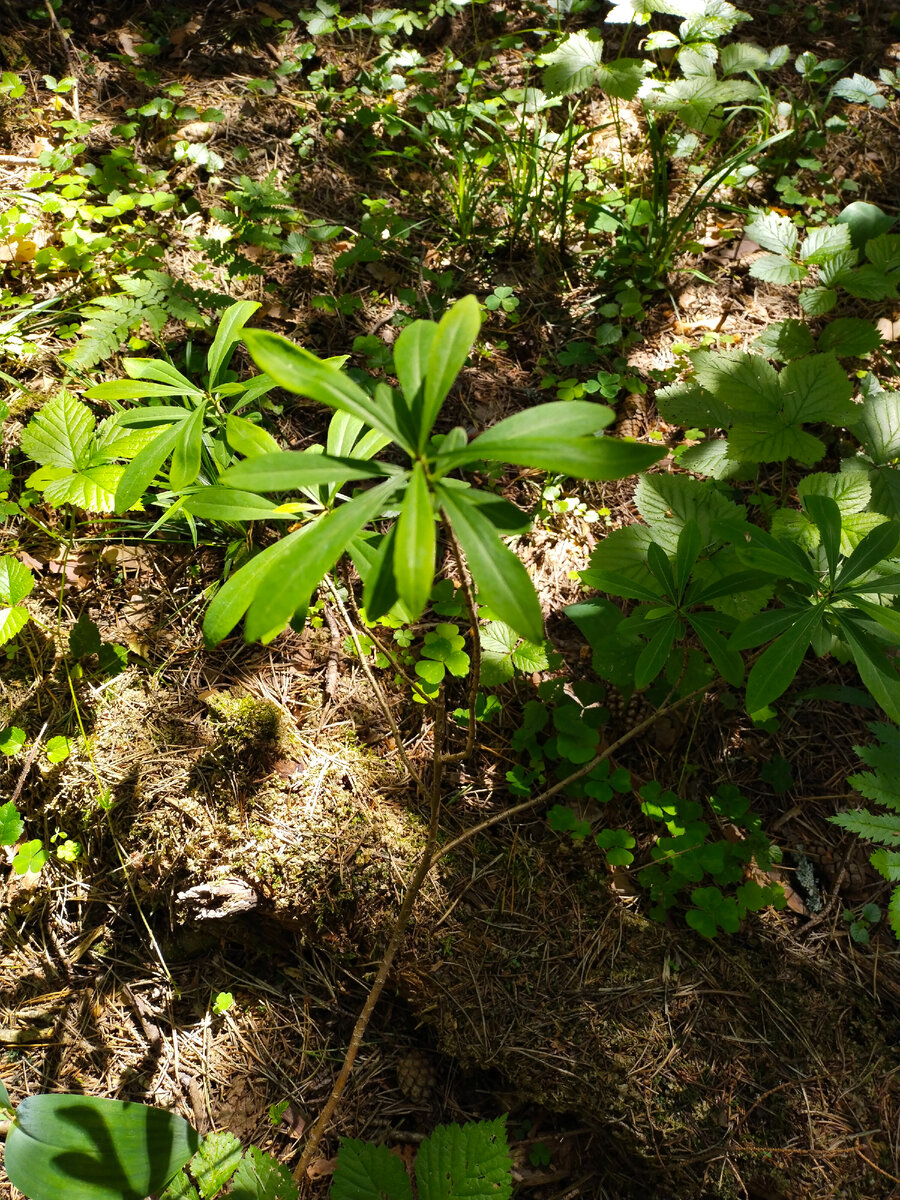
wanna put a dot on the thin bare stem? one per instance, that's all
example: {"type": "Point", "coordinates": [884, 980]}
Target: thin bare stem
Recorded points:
{"type": "Point", "coordinates": [537, 801]}
{"type": "Point", "coordinates": [475, 673]}
{"type": "Point", "coordinates": [377, 689]}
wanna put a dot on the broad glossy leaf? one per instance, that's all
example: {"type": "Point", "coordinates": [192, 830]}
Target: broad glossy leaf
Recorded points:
{"type": "Point", "coordinates": [299, 371]}
{"type": "Point", "coordinates": [764, 626]}
{"type": "Point", "coordinates": [875, 670]}
{"type": "Point", "coordinates": [143, 468]}
{"type": "Point", "coordinates": [135, 389]}
{"type": "Point", "coordinates": [411, 351]}
{"type": "Point", "coordinates": [186, 451]}
{"type": "Point", "coordinates": [414, 545]}
{"type": "Point", "coordinates": [653, 657]}
{"type": "Point", "coordinates": [773, 673]}
{"type": "Point", "coordinates": [228, 504]}
{"type": "Point", "coordinates": [290, 469]}
{"type": "Point", "coordinates": [662, 569]}
{"type": "Point", "coordinates": [502, 581]}
{"type": "Point", "coordinates": [248, 438]}
{"type": "Point", "coordinates": [232, 322]}
{"type": "Point", "coordinates": [91, 1148]}
{"type": "Point", "coordinates": [380, 592]}
{"type": "Point", "coordinates": [690, 543]}
{"type": "Point", "coordinates": [827, 516]}
{"type": "Point", "coordinates": [727, 661]}
{"type": "Point", "coordinates": [291, 581]}
{"type": "Point", "coordinates": [453, 339]}
{"type": "Point", "coordinates": [873, 549]}
{"type": "Point", "coordinates": [161, 372]}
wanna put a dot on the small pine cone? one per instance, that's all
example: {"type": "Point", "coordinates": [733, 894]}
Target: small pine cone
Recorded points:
{"type": "Point", "coordinates": [416, 1076]}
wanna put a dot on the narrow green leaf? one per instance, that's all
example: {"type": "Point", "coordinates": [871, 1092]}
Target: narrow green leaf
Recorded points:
{"type": "Point", "coordinates": [659, 564]}
{"type": "Point", "coordinates": [414, 546]}
{"type": "Point", "coordinates": [827, 516]}
{"type": "Point", "coordinates": [690, 543]}
{"type": "Point", "coordinates": [343, 430]}
{"type": "Point", "coordinates": [291, 581]}
{"type": "Point", "coordinates": [299, 371]}
{"type": "Point", "coordinates": [763, 627]}
{"type": "Point", "coordinates": [134, 389]}
{"type": "Point", "coordinates": [233, 321]}
{"type": "Point", "coordinates": [653, 657]}
{"type": "Point", "coordinates": [93, 1148]}
{"type": "Point", "coordinates": [621, 585]}
{"type": "Point", "coordinates": [235, 596]}
{"type": "Point", "coordinates": [161, 372]}
{"type": "Point", "coordinates": [290, 469]}
{"type": "Point", "coordinates": [501, 579]}
{"type": "Point", "coordinates": [453, 339]}
{"type": "Point", "coordinates": [875, 546]}
{"type": "Point", "coordinates": [186, 451]}
{"type": "Point", "coordinates": [727, 661]}
{"type": "Point", "coordinates": [143, 468]}
{"type": "Point", "coordinates": [248, 438]}
{"type": "Point", "coordinates": [227, 504]}
{"type": "Point", "coordinates": [773, 673]}
{"type": "Point", "coordinates": [380, 592]}
{"type": "Point", "coordinates": [411, 351]}
{"type": "Point", "coordinates": [875, 669]}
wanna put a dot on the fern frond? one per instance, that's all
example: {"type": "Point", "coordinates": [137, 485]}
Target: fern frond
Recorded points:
{"type": "Point", "coordinates": [878, 787]}
{"type": "Point", "coordinates": [893, 912]}
{"type": "Point", "coordinates": [886, 863]}
{"type": "Point", "coordinates": [874, 827]}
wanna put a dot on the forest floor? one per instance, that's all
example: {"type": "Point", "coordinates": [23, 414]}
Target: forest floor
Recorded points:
{"type": "Point", "coordinates": [245, 822]}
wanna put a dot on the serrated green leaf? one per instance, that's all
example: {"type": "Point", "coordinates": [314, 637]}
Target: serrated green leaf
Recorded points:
{"type": "Point", "coordinates": [572, 66]}
{"type": "Point", "coordinates": [215, 1162]}
{"type": "Point", "coordinates": [60, 1145]}
{"type": "Point", "coordinates": [11, 622]}
{"type": "Point", "coordinates": [773, 232]}
{"type": "Point", "coordinates": [60, 434]}
{"type": "Point", "coordinates": [469, 1161]}
{"type": "Point", "coordinates": [12, 739]}
{"type": "Point", "coordinates": [824, 242]}
{"type": "Point", "coordinates": [84, 638]}
{"type": "Point", "coordinates": [775, 268]}
{"type": "Point", "coordinates": [414, 544]}
{"type": "Point", "coordinates": [692, 406]}
{"type": "Point", "coordinates": [16, 581]}
{"type": "Point", "coordinates": [11, 824]}
{"type": "Point", "coordinates": [874, 827]}
{"type": "Point", "coordinates": [260, 1177]}
{"type": "Point", "coordinates": [850, 337]}
{"type": "Point", "coordinates": [784, 340]}
{"type": "Point", "coordinates": [878, 426]}
{"type": "Point", "coordinates": [501, 578]}
{"type": "Point", "coordinates": [367, 1172]}
{"type": "Point", "coordinates": [774, 440]}
{"type": "Point", "coordinates": [818, 301]}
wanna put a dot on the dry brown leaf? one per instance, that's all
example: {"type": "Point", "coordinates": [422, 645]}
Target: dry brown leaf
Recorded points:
{"type": "Point", "coordinates": [321, 1168]}
{"type": "Point", "coordinates": [268, 11]}
{"type": "Point", "coordinates": [127, 42]}
{"type": "Point", "coordinates": [183, 32]}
